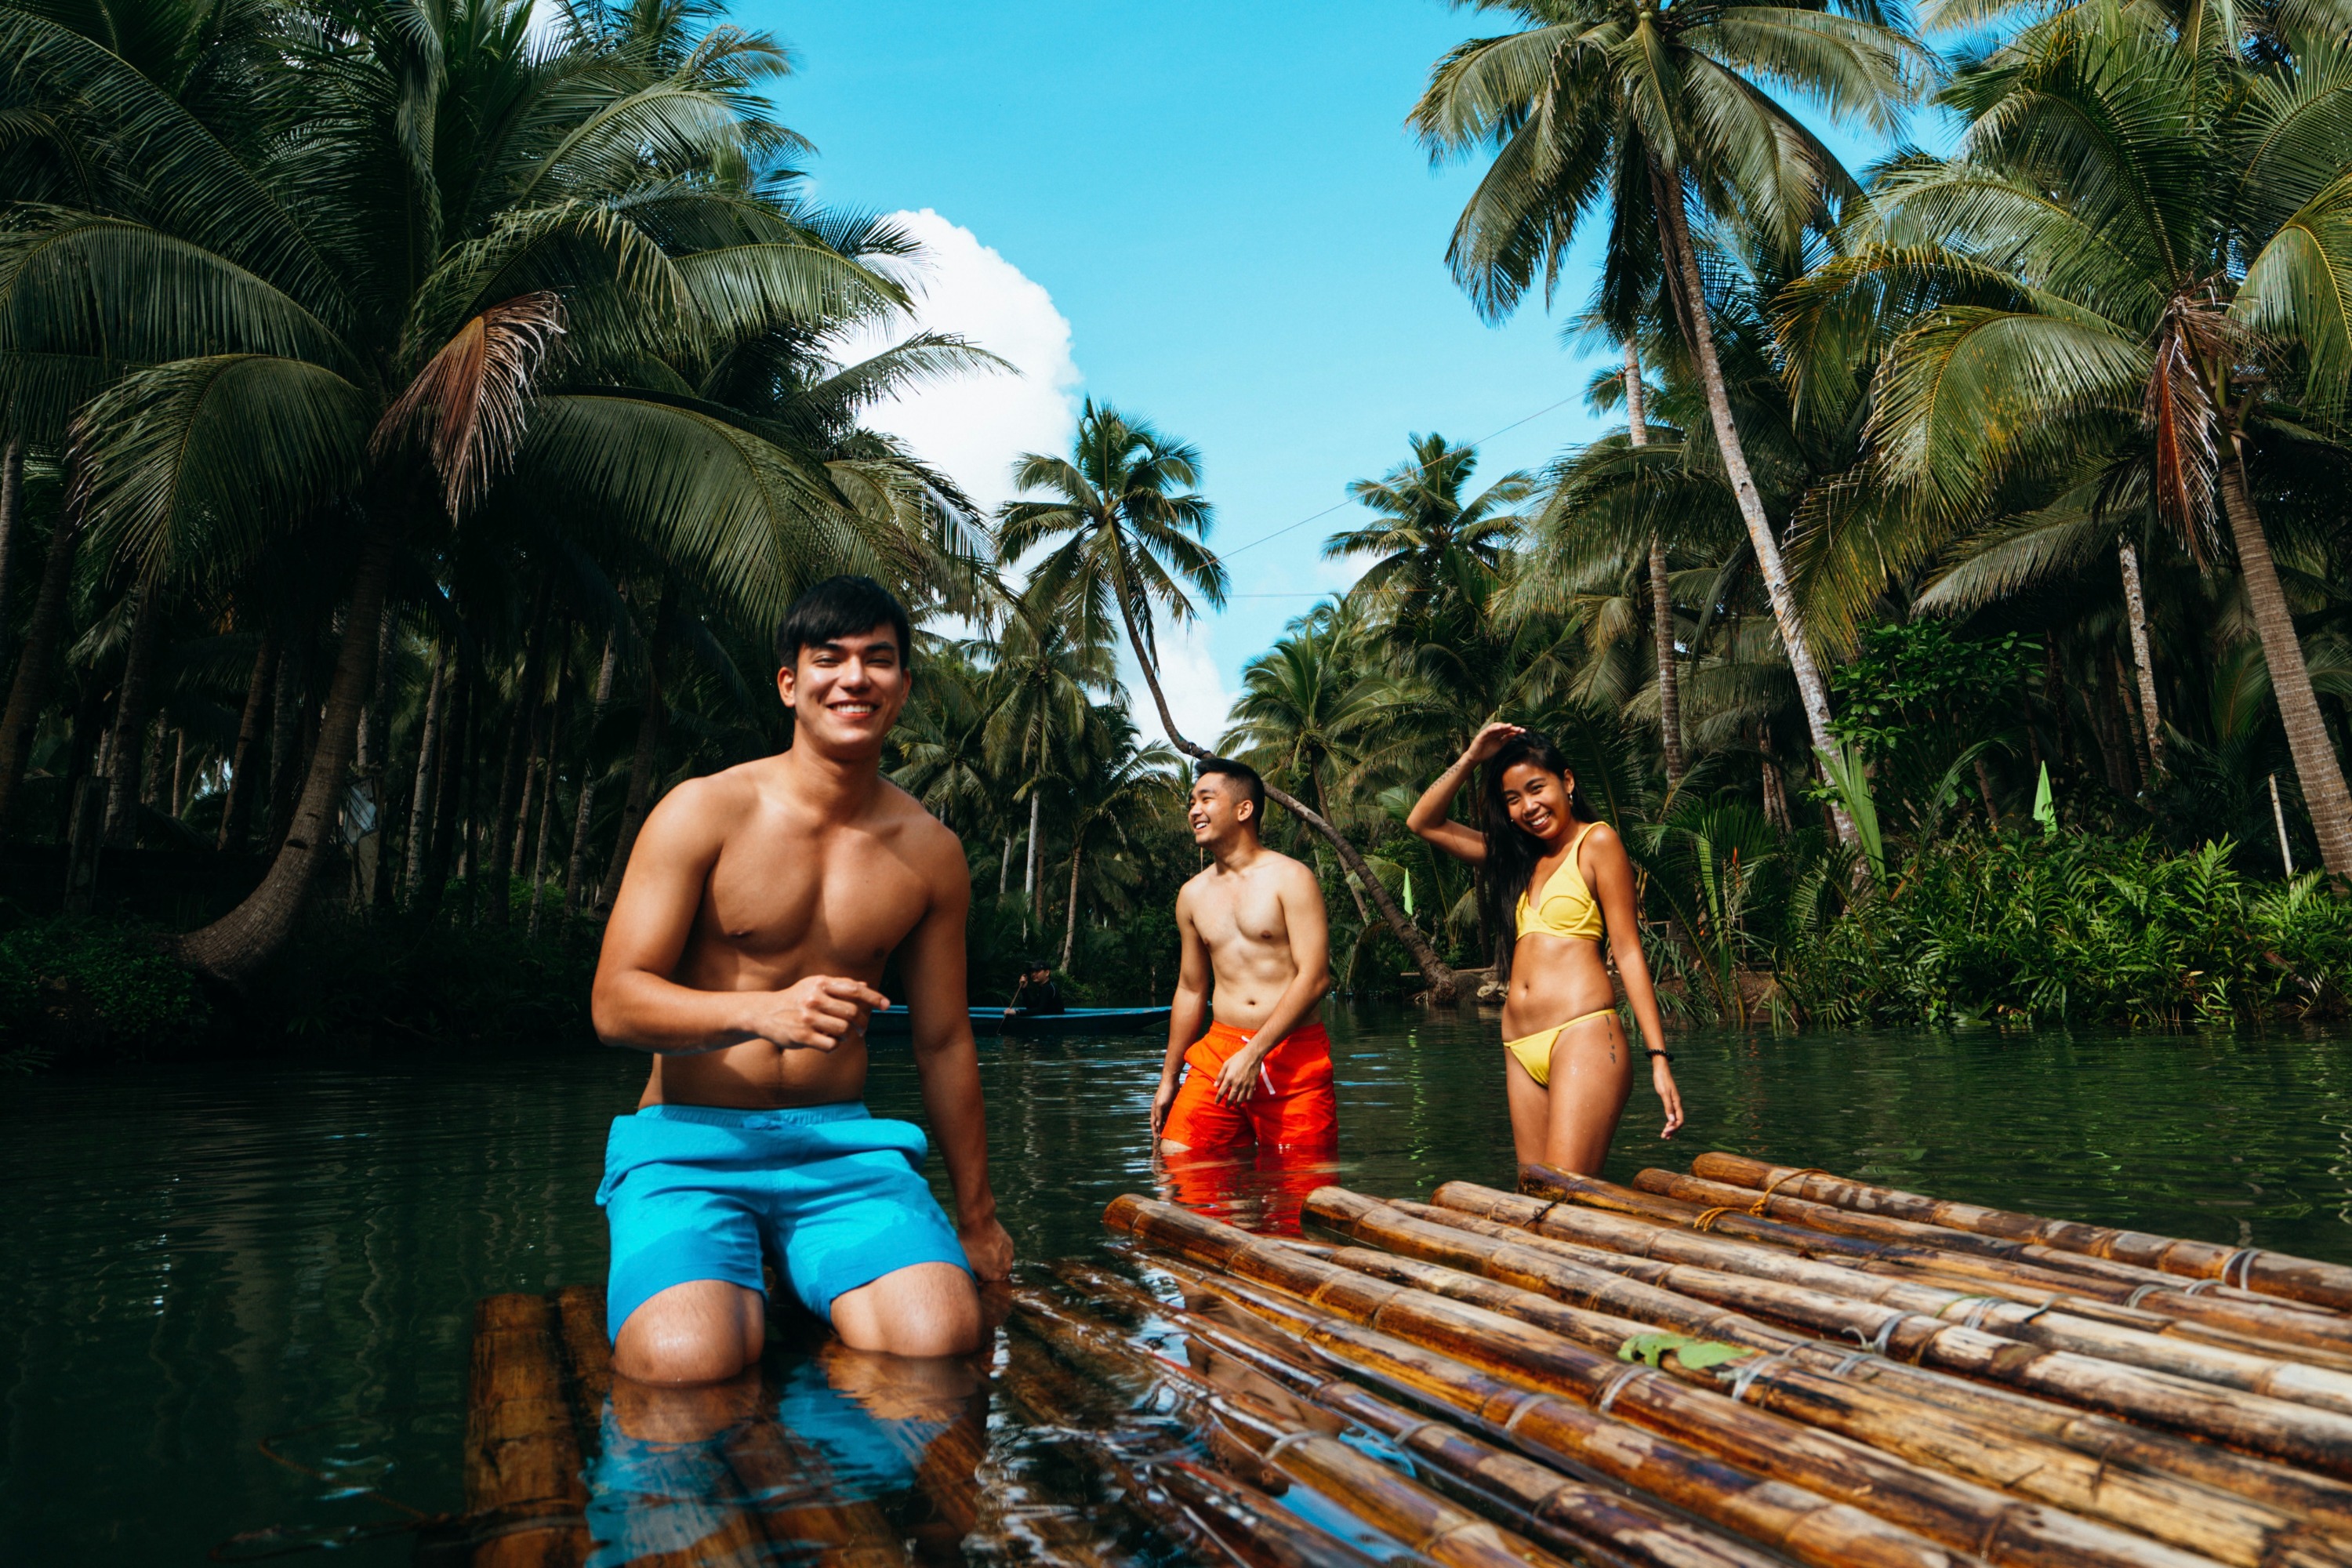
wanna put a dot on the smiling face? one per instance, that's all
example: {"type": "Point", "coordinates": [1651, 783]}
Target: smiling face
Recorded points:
{"type": "Point", "coordinates": [1219, 808]}
{"type": "Point", "coordinates": [845, 693]}
{"type": "Point", "coordinates": [1537, 800]}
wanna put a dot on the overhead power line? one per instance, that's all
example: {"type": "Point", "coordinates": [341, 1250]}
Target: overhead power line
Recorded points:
{"type": "Point", "coordinates": [1415, 469]}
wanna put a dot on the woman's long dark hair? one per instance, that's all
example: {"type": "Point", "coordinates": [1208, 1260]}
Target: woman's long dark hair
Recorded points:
{"type": "Point", "coordinates": [1511, 851]}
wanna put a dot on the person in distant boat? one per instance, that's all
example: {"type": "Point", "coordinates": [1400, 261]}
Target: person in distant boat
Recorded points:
{"type": "Point", "coordinates": [1254, 1065]}
{"type": "Point", "coordinates": [758, 907]}
{"type": "Point", "coordinates": [1037, 996]}
{"type": "Point", "coordinates": [1556, 878]}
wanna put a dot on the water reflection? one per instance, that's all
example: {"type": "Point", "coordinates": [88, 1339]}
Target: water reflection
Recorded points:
{"type": "Point", "coordinates": [793, 1461]}
{"type": "Point", "coordinates": [200, 1261]}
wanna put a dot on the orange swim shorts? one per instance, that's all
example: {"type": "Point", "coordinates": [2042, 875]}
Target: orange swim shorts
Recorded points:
{"type": "Point", "coordinates": [1293, 1108]}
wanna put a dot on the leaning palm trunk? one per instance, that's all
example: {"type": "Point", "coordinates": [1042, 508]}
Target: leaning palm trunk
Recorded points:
{"type": "Point", "coordinates": [249, 936]}
{"type": "Point", "coordinates": [2315, 767]}
{"type": "Point", "coordinates": [1662, 596]}
{"type": "Point", "coordinates": [2136, 609]}
{"type": "Point", "coordinates": [29, 692]}
{"type": "Point", "coordinates": [1442, 984]}
{"type": "Point", "coordinates": [1674, 226]}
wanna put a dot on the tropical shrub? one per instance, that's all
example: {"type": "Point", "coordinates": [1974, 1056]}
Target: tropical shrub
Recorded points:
{"type": "Point", "coordinates": [2070, 928]}
{"type": "Point", "coordinates": [74, 987]}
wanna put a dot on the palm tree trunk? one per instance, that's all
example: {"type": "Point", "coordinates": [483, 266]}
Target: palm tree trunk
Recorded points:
{"type": "Point", "coordinates": [420, 800]}
{"type": "Point", "coordinates": [2315, 767]}
{"type": "Point", "coordinates": [2136, 605]}
{"type": "Point", "coordinates": [641, 765]}
{"type": "Point", "coordinates": [1674, 227]}
{"type": "Point", "coordinates": [1029, 869]}
{"type": "Point", "coordinates": [179, 773]}
{"type": "Point", "coordinates": [286, 749]}
{"type": "Point", "coordinates": [29, 691]}
{"type": "Point", "coordinates": [1070, 917]}
{"type": "Point", "coordinates": [1444, 986]}
{"type": "Point", "coordinates": [250, 935]}
{"type": "Point", "coordinates": [239, 804]}
{"type": "Point", "coordinates": [130, 716]}
{"type": "Point", "coordinates": [578, 859]}
{"type": "Point", "coordinates": [547, 793]}
{"type": "Point", "coordinates": [1662, 596]}
{"type": "Point", "coordinates": [12, 516]}
{"type": "Point", "coordinates": [449, 771]}
{"type": "Point", "coordinates": [2135, 727]}
{"type": "Point", "coordinates": [514, 766]}
{"type": "Point", "coordinates": [1004, 869]}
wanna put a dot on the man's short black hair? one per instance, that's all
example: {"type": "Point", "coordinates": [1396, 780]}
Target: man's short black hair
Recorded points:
{"type": "Point", "coordinates": [1246, 778]}
{"type": "Point", "coordinates": [840, 607]}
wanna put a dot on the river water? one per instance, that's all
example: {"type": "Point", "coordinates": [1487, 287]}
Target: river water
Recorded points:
{"type": "Point", "coordinates": [197, 1263]}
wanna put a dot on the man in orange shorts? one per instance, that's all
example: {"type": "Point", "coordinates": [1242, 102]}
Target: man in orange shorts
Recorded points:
{"type": "Point", "coordinates": [1254, 921]}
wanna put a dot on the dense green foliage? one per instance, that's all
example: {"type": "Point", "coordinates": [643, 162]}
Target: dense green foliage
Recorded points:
{"type": "Point", "coordinates": [413, 424]}
{"type": "Point", "coordinates": [2071, 928]}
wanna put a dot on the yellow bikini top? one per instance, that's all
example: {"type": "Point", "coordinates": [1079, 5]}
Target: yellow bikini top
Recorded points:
{"type": "Point", "coordinates": [1574, 912]}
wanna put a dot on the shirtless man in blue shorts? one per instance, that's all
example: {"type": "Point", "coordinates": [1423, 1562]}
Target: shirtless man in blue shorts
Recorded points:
{"type": "Point", "coordinates": [750, 930]}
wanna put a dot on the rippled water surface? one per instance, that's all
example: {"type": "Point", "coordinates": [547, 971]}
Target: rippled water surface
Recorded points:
{"type": "Point", "coordinates": [199, 1268]}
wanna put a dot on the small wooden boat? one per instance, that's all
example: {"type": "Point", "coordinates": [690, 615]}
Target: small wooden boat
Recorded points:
{"type": "Point", "coordinates": [989, 1022]}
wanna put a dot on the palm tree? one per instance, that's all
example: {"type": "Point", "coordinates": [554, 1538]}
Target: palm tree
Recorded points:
{"type": "Point", "coordinates": [1655, 111]}
{"type": "Point", "coordinates": [2165, 292]}
{"type": "Point", "coordinates": [1124, 533]}
{"type": "Point", "coordinates": [1432, 547]}
{"type": "Point", "coordinates": [1117, 783]}
{"type": "Point", "coordinates": [367, 366]}
{"type": "Point", "coordinates": [1047, 666]}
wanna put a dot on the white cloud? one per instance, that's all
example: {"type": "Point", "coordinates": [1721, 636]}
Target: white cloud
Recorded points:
{"type": "Point", "coordinates": [1197, 697]}
{"type": "Point", "coordinates": [974, 426]}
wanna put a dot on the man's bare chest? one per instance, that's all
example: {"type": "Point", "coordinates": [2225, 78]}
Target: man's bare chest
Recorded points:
{"type": "Point", "coordinates": [1247, 916]}
{"type": "Point", "coordinates": [846, 903]}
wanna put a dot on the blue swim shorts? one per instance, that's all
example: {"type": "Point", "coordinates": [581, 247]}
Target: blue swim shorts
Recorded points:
{"type": "Point", "coordinates": [834, 1195]}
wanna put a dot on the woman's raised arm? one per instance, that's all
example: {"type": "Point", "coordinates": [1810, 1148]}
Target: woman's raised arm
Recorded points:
{"type": "Point", "coordinates": [1428, 819]}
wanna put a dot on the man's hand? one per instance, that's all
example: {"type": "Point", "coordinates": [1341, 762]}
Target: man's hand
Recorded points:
{"type": "Point", "coordinates": [1237, 1080]}
{"type": "Point", "coordinates": [818, 1013]}
{"type": "Point", "coordinates": [988, 1246]}
{"type": "Point", "coordinates": [1161, 1103]}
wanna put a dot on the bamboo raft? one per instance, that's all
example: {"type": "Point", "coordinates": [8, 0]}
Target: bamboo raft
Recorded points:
{"type": "Point", "coordinates": [1742, 1365]}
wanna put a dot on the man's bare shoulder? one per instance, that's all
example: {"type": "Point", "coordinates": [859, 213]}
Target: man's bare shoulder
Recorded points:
{"type": "Point", "coordinates": [705, 808]}
{"type": "Point", "coordinates": [1292, 873]}
{"type": "Point", "coordinates": [923, 838]}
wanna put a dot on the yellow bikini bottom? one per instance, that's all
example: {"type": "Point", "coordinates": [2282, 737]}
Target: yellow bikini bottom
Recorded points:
{"type": "Point", "coordinates": [1534, 1051]}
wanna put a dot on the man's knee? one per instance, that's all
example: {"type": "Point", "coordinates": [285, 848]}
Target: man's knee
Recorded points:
{"type": "Point", "coordinates": [922, 1310]}
{"type": "Point", "coordinates": [704, 1330]}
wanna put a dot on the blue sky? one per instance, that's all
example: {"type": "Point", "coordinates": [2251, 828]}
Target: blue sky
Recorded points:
{"type": "Point", "coordinates": [1220, 202]}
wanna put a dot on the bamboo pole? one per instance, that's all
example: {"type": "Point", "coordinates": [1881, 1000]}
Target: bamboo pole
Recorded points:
{"type": "Point", "coordinates": [1222, 1519]}
{"type": "Point", "coordinates": [2294, 1491]}
{"type": "Point", "coordinates": [1980, 1347]}
{"type": "Point", "coordinates": [521, 1465]}
{"type": "Point", "coordinates": [1799, 1378]}
{"type": "Point", "coordinates": [1594, 1522]}
{"type": "Point", "coordinates": [791, 1499]}
{"type": "Point", "coordinates": [2268, 1273]}
{"type": "Point", "coordinates": [1397, 1506]}
{"type": "Point", "coordinates": [1803, 1523]}
{"type": "Point", "coordinates": [2243, 1318]}
{"type": "Point", "coordinates": [2141, 1341]}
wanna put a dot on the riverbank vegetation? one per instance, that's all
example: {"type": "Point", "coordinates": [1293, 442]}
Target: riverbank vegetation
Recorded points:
{"type": "Point", "coordinates": [412, 430]}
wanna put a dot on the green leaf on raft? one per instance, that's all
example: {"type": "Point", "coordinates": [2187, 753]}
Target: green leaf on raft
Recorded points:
{"type": "Point", "coordinates": [1697, 1355]}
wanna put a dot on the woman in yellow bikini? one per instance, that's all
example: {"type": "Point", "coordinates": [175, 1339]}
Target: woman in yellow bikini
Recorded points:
{"type": "Point", "coordinates": [1558, 878]}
